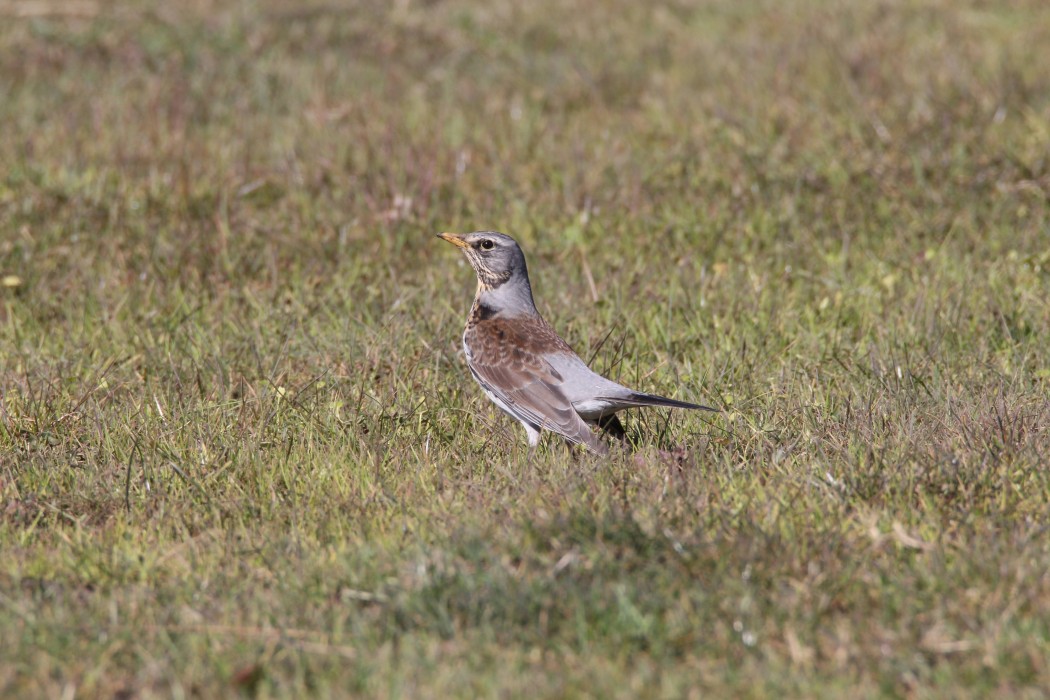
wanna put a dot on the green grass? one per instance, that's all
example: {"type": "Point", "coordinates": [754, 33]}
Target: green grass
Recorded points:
{"type": "Point", "coordinates": [239, 448]}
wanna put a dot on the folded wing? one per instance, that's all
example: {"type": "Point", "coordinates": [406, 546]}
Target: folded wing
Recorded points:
{"type": "Point", "coordinates": [530, 389]}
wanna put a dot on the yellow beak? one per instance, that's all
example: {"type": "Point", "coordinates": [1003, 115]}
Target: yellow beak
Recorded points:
{"type": "Point", "coordinates": [455, 239]}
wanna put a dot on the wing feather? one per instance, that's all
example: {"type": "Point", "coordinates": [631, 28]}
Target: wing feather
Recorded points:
{"type": "Point", "coordinates": [504, 360]}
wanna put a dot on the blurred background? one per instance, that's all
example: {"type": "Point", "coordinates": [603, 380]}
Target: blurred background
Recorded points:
{"type": "Point", "coordinates": [271, 143]}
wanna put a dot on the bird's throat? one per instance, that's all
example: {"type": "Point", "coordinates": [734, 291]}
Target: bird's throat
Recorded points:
{"type": "Point", "coordinates": [510, 300]}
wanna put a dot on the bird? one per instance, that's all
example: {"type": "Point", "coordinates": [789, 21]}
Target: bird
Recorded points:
{"type": "Point", "coordinates": [521, 362]}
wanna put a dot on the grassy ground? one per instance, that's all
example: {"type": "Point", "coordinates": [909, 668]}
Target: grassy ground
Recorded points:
{"type": "Point", "coordinates": [239, 448]}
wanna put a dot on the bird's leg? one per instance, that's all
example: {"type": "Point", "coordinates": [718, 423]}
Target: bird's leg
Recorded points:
{"type": "Point", "coordinates": [612, 425]}
{"type": "Point", "coordinates": [534, 441]}
{"type": "Point", "coordinates": [571, 447]}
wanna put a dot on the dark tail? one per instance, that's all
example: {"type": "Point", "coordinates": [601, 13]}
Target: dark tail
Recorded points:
{"type": "Point", "coordinates": [640, 399]}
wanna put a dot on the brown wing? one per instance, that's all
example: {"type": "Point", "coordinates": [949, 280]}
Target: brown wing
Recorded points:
{"type": "Point", "coordinates": [507, 359]}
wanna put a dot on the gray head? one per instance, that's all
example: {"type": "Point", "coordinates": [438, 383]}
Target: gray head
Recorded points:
{"type": "Point", "coordinates": [499, 263]}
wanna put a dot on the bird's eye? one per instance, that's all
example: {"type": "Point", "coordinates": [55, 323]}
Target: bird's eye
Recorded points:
{"type": "Point", "coordinates": [487, 244]}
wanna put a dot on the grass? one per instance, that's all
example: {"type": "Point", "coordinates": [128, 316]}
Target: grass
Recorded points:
{"type": "Point", "coordinates": [240, 451]}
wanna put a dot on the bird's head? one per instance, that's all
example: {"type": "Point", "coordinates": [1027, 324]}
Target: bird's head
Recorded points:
{"type": "Point", "coordinates": [495, 257]}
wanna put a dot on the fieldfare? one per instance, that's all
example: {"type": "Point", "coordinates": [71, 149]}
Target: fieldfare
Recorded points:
{"type": "Point", "coordinates": [523, 365]}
